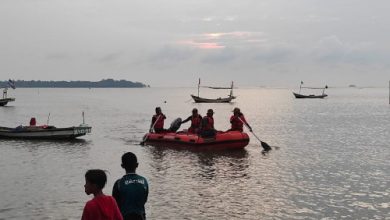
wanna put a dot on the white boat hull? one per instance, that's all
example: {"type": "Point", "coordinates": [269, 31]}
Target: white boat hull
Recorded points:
{"type": "Point", "coordinates": [44, 133]}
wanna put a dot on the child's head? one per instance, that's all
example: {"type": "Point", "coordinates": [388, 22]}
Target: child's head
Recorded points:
{"type": "Point", "coordinates": [95, 180]}
{"type": "Point", "coordinates": [129, 161]}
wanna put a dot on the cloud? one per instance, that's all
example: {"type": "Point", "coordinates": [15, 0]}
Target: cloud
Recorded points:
{"type": "Point", "coordinates": [202, 45]}
{"type": "Point", "coordinates": [220, 40]}
{"type": "Point", "coordinates": [58, 56]}
{"type": "Point", "coordinates": [170, 55]}
{"type": "Point", "coordinates": [208, 19]}
{"type": "Point", "coordinates": [329, 49]}
{"type": "Point", "coordinates": [110, 57]}
{"type": "Point", "coordinates": [332, 50]}
{"type": "Point", "coordinates": [219, 57]}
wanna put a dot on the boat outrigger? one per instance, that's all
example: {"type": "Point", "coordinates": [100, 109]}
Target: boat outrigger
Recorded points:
{"type": "Point", "coordinates": [228, 99]}
{"type": "Point", "coordinates": [312, 96]}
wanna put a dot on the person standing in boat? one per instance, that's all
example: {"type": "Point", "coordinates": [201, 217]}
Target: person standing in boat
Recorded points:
{"type": "Point", "coordinates": [158, 121]}
{"type": "Point", "coordinates": [195, 121]}
{"type": "Point", "coordinates": [237, 121]}
{"type": "Point", "coordinates": [207, 125]}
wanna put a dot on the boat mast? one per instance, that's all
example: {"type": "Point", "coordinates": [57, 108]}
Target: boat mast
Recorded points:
{"type": "Point", "coordinates": [198, 86]}
{"type": "Point", "coordinates": [300, 87]}
{"type": "Point", "coordinates": [231, 90]}
{"type": "Point", "coordinates": [323, 91]}
{"type": "Point", "coordinates": [48, 119]}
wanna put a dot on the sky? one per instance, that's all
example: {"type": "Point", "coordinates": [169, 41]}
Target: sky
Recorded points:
{"type": "Point", "coordinates": [175, 42]}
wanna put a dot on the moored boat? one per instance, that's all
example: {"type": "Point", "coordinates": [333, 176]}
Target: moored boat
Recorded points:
{"type": "Point", "coordinates": [5, 101]}
{"type": "Point", "coordinates": [198, 99]}
{"type": "Point", "coordinates": [227, 99]}
{"type": "Point", "coordinates": [311, 96]}
{"type": "Point", "coordinates": [300, 96]}
{"type": "Point", "coordinates": [44, 132]}
{"type": "Point", "coordinates": [222, 140]}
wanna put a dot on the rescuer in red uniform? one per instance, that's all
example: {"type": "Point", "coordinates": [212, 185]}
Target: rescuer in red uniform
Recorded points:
{"type": "Point", "coordinates": [195, 119]}
{"type": "Point", "coordinates": [207, 125]}
{"type": "Point", "coordinates": [158, 121]}
{"type": "Point", "coordinates": [237, 121]}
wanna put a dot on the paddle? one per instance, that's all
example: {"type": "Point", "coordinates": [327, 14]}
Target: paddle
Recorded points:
{"type": "Point", "coordinates": [264, 145]}
{"type": "Point", "coordinates": [48, 119]}
{"type": "Point", "coordinates": [150, 130]}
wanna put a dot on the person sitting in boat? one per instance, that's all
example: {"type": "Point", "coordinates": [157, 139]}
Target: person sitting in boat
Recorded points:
{"type": "Point", "coordinates": [158, 121]}
{"type": "Point", "coordinates": [237, 121]}
{"type": "Point", "coordinates": [195, 121]}
{"type": "Point", "coordinates": [33, 122]}
{"type": "Point", "coordinates": [207, 125]}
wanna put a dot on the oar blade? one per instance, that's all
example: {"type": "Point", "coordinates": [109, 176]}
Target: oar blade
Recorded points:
{"type": "Point", "coordinates": [265, 146]}
{"type": "Point", "coordinates": [144, 139]}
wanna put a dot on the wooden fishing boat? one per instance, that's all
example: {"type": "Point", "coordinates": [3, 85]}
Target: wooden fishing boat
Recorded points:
{"type": "Point", "coordinates": [5, 101]}
{"type": "Point", "coordinates": [300, 96]}
{"type": "Point", "coordinates": [228, 99]}
{"type": "Point", "coordinates": [222, 140]}
{"type": "Point", "coordinates": [311, 96]}
{"type": "Point", "coordinates": [44, 132]}
{"type": "Point", "coordinates": [198, 99]}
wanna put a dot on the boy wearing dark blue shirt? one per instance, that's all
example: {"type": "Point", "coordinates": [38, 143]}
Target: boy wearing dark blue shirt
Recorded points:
{"type": "Point", "coordinates": [131, 191]}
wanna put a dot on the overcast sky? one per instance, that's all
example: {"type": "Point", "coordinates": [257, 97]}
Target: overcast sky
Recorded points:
{"type": "Point", "coordinates": [174, 42]}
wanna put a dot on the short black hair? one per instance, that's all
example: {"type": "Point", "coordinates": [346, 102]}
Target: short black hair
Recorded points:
{"type": "Point", "coordinates": [129, 161]}
{"type": "Point", "coordinates": [97, 177]}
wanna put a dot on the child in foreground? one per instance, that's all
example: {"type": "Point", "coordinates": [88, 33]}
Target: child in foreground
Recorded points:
{"type": "Point", "coordinates": [132, 190]}
{"type": "Point", "coordinates": [101, 207]}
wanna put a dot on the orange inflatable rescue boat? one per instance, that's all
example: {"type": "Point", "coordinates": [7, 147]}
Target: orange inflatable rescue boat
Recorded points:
{"type": "Point", "coordinates": [222, 140]}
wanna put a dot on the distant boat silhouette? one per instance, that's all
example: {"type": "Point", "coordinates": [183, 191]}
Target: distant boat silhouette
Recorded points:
{"type": "Point", "coordinates": [4, 101]}
{"type": "Point", "coordinates": [311, 96]}
{"type": "Point", "coordinates": [228, 99]}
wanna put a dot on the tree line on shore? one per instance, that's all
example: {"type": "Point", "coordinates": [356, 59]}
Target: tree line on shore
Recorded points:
{"type": "Point", "coordinates": [104, 83]}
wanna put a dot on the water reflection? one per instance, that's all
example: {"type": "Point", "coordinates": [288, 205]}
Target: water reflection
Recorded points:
{"type": "Point", "coordinates": [324, 169]}
{"type": "Point", "coordinates": [205, 164]}
{"type": "Point", "coordinates": [68, 146]}
{"type": "Point", "coordinates": [227, 164]}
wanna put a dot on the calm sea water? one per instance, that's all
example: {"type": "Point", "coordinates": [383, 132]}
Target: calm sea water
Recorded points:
{"type": "Point", "coordinates": [332, 161]}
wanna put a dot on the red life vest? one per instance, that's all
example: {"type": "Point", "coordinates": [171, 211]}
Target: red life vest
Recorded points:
{"type": "Point", "coordinates": [33, 122]}
{"type": "Point", "coordinates": [209, 125]}
{"type": "Point", "coordinates": [159, 124]}
{"type": "Point", "coordinates": [237, 124]}
{"type": "Point", "coordinates": [195, 121]}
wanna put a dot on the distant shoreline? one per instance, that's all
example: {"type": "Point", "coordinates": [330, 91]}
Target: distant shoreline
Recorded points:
{"type": "Point", "coordinates": [104, 83]}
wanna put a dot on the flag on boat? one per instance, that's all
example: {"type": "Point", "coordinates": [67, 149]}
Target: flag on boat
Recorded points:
{"type": "Point", "coordinates": [301, 82]}
{"type": "Point", "coordinates": [199, 82]}
{"type": "Point", "coordinates": [11, 83]}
